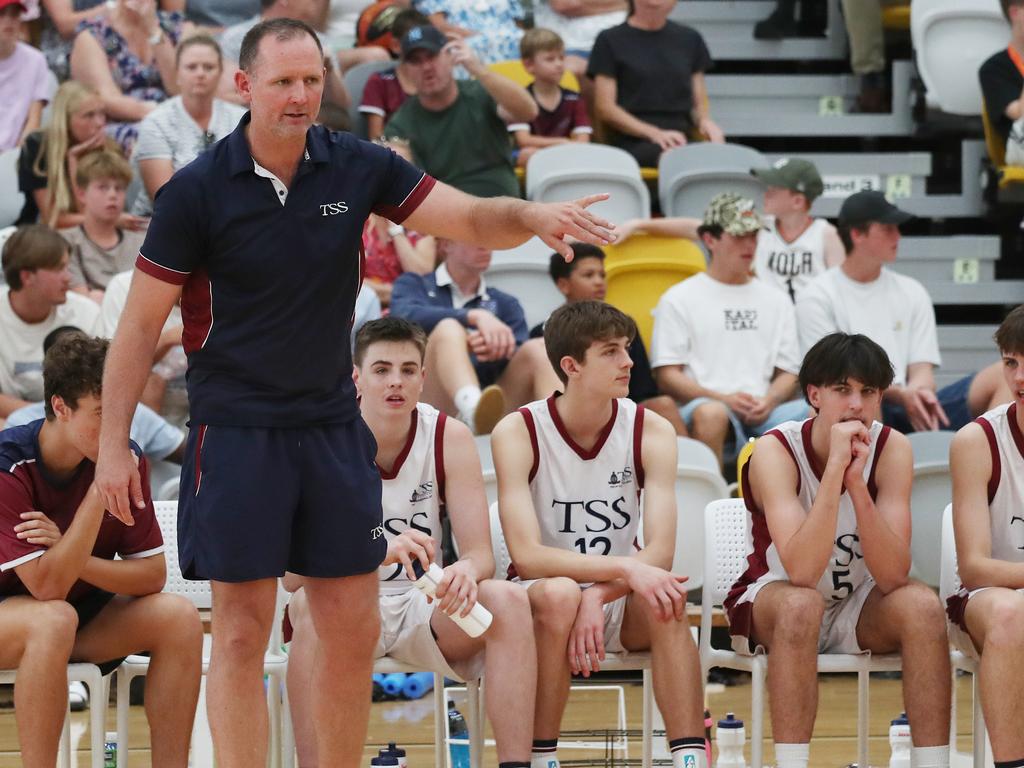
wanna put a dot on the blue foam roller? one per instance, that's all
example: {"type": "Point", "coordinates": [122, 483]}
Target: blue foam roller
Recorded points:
{"type": "Point", "coordinates": [418, 684]}
{"type": "Point", "coordinates": [393, 683]}
{"type": "Point", "coordinates": [378, 678]}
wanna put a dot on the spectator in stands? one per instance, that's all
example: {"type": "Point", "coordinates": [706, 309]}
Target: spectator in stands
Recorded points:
{"type": "Point", "coordinates": [457, 129]}
{"type": "Point", "coordinates": [895, 311]}
{"type": "Point", "coordinates": [793, 247]}
{"type": "Point", "coordinates": [867, 52]}
{"type": "Point", "coordinates": [725, 345]}
{"type": "Point", "coordinates": [339, 22]}
{"type": "Point", "coordinates": [63, 595]}
{"type": "Point", "coordinates": [1002, 85]}
{"type": "Point", "coordinates": [177, 131]}
{"type": "Point", "coordinates": [783, 22]}
{"type": "Point", "coordinates": [25, 86]}
{"type": "Point", "coordinates": [34, 302]}
{"type": "Point", "coordinates": [649, 83]}
{"type": "Point", "coordinates": [579, 22]}
{"type": "Point", "coordinates": [492, 30]}
{"type": "Point", "coordinates": [583, 279]}
{"type": "Point", "coordinates": [562, 115]}
{"type": "Point", "coordinates": [158, 439]}
{"type": "Point", "coordinates": [477, 338]}
{"type": "Point", "coordinates": [127, 56]}
{"type": "Point", "coordinates": [391, 249]}
{"type": "Point", "coordinates": [99, 247]}
{"type": "Point", "coordinates": [386, 91]}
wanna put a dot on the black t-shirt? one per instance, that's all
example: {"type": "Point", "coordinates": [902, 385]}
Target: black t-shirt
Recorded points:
{"type": "Point", "coordinates": [652, 70]}
{"type": "Point", "coordinates": [28, 179]}
{"type": "Point", "coordinates": [1001, 83]}
{"type": "Point", "coordinates": [641, 380]}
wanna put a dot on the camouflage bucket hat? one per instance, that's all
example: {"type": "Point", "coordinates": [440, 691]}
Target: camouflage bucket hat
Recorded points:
{"type": "Point", "coordinates": [734, 214]}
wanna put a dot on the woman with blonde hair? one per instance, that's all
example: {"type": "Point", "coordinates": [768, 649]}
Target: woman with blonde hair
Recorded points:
{"type": "Point", "coordinates": [49, 158]}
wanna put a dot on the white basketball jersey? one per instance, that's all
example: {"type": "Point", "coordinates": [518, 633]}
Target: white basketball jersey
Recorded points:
{"type": "Point", "coordinates": [1006, 485]}
{"type": "Point", "coordinates": [846, 569]}
{"type": "Point", "coordinates": [790, 266]}
{"type": "Point", "coordinates": [412, 492]}
{"type": "Point", "coordinates": [587, 501]}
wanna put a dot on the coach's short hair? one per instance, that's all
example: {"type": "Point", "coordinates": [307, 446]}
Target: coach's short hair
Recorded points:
{"type": "Point", "coordinates": [559, 268]}
{"type": "Point", "coordinates": [389, 328]}
{"type": "Point", "coordinates": [572, 328]}
{"type": "Point", "coordinates": [1007, 4]}
{"type": "Point", "coordinates": [73, 369]}
{"type": "Point", "coordinates": [32, 247]}
{"type": "Point", "coordinates": [281, 29]}
{"type": "Point", "coordinates": [842, 356]}
{"type": "Point", "coordinates": [1010, 334]}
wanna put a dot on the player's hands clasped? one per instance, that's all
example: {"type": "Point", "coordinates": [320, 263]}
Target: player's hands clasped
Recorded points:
{"type": "Point", "coordinates": [586, 640]}
{"type": "Point", "coordinates": [410, 545]}
{"type": "Point", "coordinates": [457, 590]}
{"type": "Point", "coordinates": [554, 222]}
{"type": "Point", "coordinates": [492, 339]}
{"type": "Point", "coordinates": [118, 483]}
{"type": "Point", "coordinates": [37, 529]}
{"type": "Point", "coordinates": [849, 444]}
{"type": "Point", "coordinates": [663, 590]}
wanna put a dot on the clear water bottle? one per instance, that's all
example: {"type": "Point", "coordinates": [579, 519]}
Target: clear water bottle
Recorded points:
{"type": "Point", "coordinates": [730, 737]}
{"type": "Point", "coordinates": [110, 749]}
{"type": "Point", "coordinates": [457, 729]}
{"type": "Point", "coordinates": [899, 742]}
{"type": "Point", "coordinates": [396, 752]}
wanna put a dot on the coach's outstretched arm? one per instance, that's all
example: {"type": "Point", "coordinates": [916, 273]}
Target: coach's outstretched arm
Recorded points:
{"type": "Point", "coordinates": [505, 222]}
{"type": "Point", "coordinates": [117, 475]}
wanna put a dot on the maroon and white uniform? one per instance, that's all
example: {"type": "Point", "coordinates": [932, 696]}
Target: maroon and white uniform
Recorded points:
{"type": "Point", "coordinates": [845, 584]}
{"type": "Point", "coordinates": [1005, 504]}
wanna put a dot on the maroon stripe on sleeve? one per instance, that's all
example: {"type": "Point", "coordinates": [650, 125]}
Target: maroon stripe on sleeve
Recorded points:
{"type": "Point", "coordinates": [638, 441]}
{"type": "Point", "coordinates": [442, 419]}
{"type": "Point", "coordinates": [164, 274]}
{"type": "Point", "coordinates": [399, 213]}
{"type": "Point", "coordinates": [532, 429]}
{"type": "Point", "coordinates": [993, 447]}
{"type": "Point", "coordinates": [883, 437]}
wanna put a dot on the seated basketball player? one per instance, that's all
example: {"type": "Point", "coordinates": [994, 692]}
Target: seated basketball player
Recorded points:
{"type": "Point", "coordinates": [829, 502]}
{"type": "Point", "coordinates": [63, 596]}
{"type": "Point", "coordinates": [570, 471]}
{"type": "Point", "coordinates": [429, 467]}
{"type": "Point", "coordinates": [987, 462]}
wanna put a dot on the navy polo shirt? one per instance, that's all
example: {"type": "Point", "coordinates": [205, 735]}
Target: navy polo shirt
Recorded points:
{"type": "Point", "coordinates": [269, 290]}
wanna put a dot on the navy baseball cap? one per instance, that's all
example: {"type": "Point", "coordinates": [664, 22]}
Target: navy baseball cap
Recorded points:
{"type": "Point", "coordinates": [427, 37]}
{"type": "Point", "coordinates": [871, 205]}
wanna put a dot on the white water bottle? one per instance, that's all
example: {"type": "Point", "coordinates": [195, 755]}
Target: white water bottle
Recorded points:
{"type": "Point", "coordinates": [730, 736]}
{"type": "Point", "coordinates": [899, 742]}
{"type": "Point", "coordinates": [396, 752]}
{"type": "Point", "coordinates": [478, 620]}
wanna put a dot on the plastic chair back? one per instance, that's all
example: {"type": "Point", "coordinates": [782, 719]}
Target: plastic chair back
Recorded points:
{"type": "Point", "coordinates": [514, 70]}
{"type": "Point", "coordinates": [952, 39]}
{"type": "Point", "coordinates": [530, 283]}
{"type": "Point", "coordinates": [993, 143]}
{"type": "Point", "coordinates": [932, 490]}
{"type": "Point", "coordinates": [640, 269]}
{"type": "Point", "coordinates": [11, 198]}
{"type": "Point", "coordinates": [698, 483]}
{"type": "Point", "coordinates": [949, 581]}
{"type": "Point", "coordinates": [502, 557]}
{"type": "Point", "coordinates": [727, 541]}
{"type": "Point", "coordinates": [355, 82]}
{"type": "Point", "coordinates": [689, 176]}
{"type": "Point", "coordinates": [198, 592]}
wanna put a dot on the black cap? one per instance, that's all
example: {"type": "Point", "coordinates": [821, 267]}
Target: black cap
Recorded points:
{"type": "Point", "coordinates": [427, 37]}
{"type": "Point", "coordinates": [865, 207]}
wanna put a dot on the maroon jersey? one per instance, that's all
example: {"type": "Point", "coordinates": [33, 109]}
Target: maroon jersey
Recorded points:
{"type": "Point", "coordinates": [383, 94]}
{"type": "Point", "coordinates": [568, 118]}
{"type": "Point", "coordinates": [25, 485]}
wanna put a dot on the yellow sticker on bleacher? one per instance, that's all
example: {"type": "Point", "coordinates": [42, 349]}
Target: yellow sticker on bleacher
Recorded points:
{"type": "Point", "coordinates": [897, 186]}
{"type": "Point", "coordinates": [965, 271]}
{"type": "Point", "coordinates": [830, 106]}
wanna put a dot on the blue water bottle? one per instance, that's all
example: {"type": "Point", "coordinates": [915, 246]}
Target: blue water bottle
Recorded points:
{"type": "Point", "coordinates": [457, 729]}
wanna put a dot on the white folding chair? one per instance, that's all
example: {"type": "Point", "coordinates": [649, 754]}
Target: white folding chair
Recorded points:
{"type": "Point", "coordinates": [949, 585]}
{"type": "Point", "coordinates": [698, 483]}
{"type": "Point", "coordinates": [727, 538]}
{"type": "Point", "coordinates": [275, 662]}
{"type": "Point", "coordinates": [931, 490]}
{"type": "Point", "coordinates": [689, 176]}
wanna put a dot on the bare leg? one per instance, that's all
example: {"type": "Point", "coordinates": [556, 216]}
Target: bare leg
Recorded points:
{"type": "Point", "coordinates": [346, 615]}
{"type": "Point", "coordinates": [242, 614]}
{"type": "Point", "coordinates": [168, 627]}
{"type": "Point", "coordinates": [665, 406]}
{"type": "Point", "coordinates": [710, 425]}
{"type": "Point", "coordinates": [511, 687]}
{"type": "Point", "coordinates": [448, 366]}
{"type": "Point", "coordinates": [910, 619]}
{"type": "Point", "coordinates": [36, 638]}
{"type": "Point", "coordinates": [554, 603]}
{"type": "Point", "coordinates": [529, 375]}
{"type": "Point", "coordinates": [995, 619]}
{"type": "Point", "coordinates": [988, 389]}
{"type": "Point", "coordinates": [675, 666]}
{"type": "Point", "coordinates": [301, 661]}
{"type": "Point", "coordinates": [787, 621]}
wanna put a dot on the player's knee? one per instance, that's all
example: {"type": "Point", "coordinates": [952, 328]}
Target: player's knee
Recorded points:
{"type": "Point", "coordinates": [242, 639]}
{"type": "Point", "coordinates": [179, 621]}
{"type": "Point", "coordinates": [1006, 624]}
{"type": "Point", "coordinates": [798, 617]}
{"type": "Point", "coordinates": [508, 602]}
{"type": "Point", "coordinates": [921, 608]}
{"type": "Point", "coordinates": [53, 625]}
{"type": "Point", "coordinates": [711, 417]}
{"type": "Point", "coordinates": [555, 602]}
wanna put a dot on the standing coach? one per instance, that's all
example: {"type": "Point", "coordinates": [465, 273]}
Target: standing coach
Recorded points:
{"type": "Point", "coordinates": [261, 235]}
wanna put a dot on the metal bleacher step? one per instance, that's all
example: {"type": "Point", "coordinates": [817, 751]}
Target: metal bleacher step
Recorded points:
{"type": "Point", "coordinates": [965, 349]}
{"type": "Point", "coordinates": [806, 105]}
{"type": "Point", "coordinates": [957, 269]}
{"type": "Point", "coordinates": [728, 29]}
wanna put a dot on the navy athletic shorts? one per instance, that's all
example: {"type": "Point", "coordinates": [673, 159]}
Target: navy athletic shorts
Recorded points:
{"type": "Point", "coordinates": [256, 501]}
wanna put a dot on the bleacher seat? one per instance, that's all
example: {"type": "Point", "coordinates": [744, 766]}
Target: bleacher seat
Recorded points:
{"type": "Point", "coordinates": [640, 269]}
{"type": "Point", "coordinates": [1007, 176]}
{"type": "Point", "coordinates": [951, 40]}
{"type": "Point", "coordinates": [11, 199]}
{"type": "Point", "coordinates": [942, 263]}
{"type": "Point", "coordinates": [689, 176]}
{"type": "Point", "coordinates": [965, 349]}
{"type": "Point", "coordinates": [355, 82]}
{"type": "Point", "coordinates": [571, 171]}
{"type": "Point", "coordinates": [514, 70]}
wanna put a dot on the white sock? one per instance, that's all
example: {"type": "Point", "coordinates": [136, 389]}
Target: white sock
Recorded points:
{"type": "Point", "coordinates": [547, 760]}
{"type": "Point", "coordinates": [690, 756]}
{"type": "Point", "coordinates": [792, 755]}
{"type": "Point", "coordinates": [930, 757]}
{"type": "Point", "coordinates": [465, 402]}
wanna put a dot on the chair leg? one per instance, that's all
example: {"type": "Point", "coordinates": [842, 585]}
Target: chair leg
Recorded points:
{"type": "Point", "coordinates": [979, 724]}
{"type": "Point", "coordinates": [99, 695]}
{"type": "Point", "coordinates": [440, 723]}
{"type": "Point", "coordinates": [274, 719]}
{"type": "Point", "coordinates": [647, 752]}
{"type": "Point", "coordinates": [862, 717]}
{"type": "Point", "coordinates": [757, 713]}
{"type": "Point", "coordinates": [952, 712]}
{"type": "Point", "coordinates": [476, 725]}
{"type": "Point", "coordinates": [287, 732]}
{"type": "Point", "coordinates": [124, 683]}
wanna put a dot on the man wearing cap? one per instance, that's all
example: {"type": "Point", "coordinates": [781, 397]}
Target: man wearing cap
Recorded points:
{"type": "Point", "coordinates": [725, 344]}
{"type": "Point", "coordinates": [457, 128]}
{"type": "Point", "coordinates": [863, 296]}
{"type": "Point", "coordinates": [25, 86]}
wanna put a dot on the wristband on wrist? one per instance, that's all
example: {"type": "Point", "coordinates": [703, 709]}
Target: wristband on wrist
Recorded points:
{"type": "Point", "coordinates": [395, 230]}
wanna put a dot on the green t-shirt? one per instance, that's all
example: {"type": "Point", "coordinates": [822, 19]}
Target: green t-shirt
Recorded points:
{"type": "Point", "coordinates": [466, 145]}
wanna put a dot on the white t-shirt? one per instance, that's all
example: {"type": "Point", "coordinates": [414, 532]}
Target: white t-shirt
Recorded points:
{"type": "Point", "coordinates": [578, 32]}
{"type": "Point", "coordinates": [170, 133]}
{"type": "Point", "coordinates": [790, 266]}
{"type": "Point", "coordinates": [731, 338]}
{"type": "Point", "coordinates": [893, 310]}
{"type": "Point", "coordinates": [21, 343]}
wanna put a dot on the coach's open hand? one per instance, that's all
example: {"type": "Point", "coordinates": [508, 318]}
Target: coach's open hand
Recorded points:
{"type": "Point", "coordinates": [554, 222]}
{"type": "Point", "coordinates": [117, 480]}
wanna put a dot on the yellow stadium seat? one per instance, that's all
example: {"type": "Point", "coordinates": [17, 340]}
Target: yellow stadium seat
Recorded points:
{"type": "Point", "coordinates": [896, 17]}
{"type": "Point", "coordinates": [1008, 174]}
{"type": "Point", "coordinates": [741, 460]}
{"type": "Point", "coordinates": [642, 268]}
{"type": "Point", "coordinates": [514, 70]}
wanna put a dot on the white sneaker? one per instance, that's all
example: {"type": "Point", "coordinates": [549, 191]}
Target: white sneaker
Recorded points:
{"type": "Point", "coordinates": [78, 696]}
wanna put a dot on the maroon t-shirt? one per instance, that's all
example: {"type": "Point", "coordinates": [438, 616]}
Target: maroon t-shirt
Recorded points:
{"type": "Point", "coordinates": [569, 117]}
{"type": "Point", "coordinates": [383, 94]}
{"type": "Point", "coordinates": [25, 485]}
